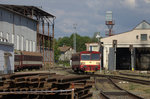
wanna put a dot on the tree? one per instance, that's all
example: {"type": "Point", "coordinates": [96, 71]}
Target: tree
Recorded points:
{"type": "Point", "coordinates": [94, 39]}
{"type": "Point", "coordinates": [56, 51]}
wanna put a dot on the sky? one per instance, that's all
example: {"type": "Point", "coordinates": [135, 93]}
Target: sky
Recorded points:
{"type": "Point", "coordinates": [89, 15]}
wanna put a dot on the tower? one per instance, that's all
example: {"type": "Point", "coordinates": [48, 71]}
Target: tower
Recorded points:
{"type": "Point", "coordinates": [110, 23]}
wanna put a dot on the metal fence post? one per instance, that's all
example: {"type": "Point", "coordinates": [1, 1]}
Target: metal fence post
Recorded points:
{"type": "Point", "coordinates": [72, 93]}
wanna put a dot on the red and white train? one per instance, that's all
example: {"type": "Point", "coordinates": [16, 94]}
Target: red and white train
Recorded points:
{"type": "Point", "coordinates": [28, 60]}
{"type": "Point", "coordinates": [86, 61]}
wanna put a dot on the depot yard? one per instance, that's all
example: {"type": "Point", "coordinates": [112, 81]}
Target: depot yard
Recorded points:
{"type": "Point", "coordinates": [63, 73]}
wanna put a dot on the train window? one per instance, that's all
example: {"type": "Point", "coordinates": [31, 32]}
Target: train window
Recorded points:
{"type": "Point", "coordinates": [95, 57]}
{"type": "Point", "coordinates": [85, 57]}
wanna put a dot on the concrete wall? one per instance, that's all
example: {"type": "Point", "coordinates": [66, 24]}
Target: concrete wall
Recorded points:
{"type": "Point", "coordinates": [6, 48]}
{"type": "Point", "coordinates": [12, 23]}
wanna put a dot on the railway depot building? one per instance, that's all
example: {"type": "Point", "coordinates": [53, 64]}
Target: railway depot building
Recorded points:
{"type": "Point", "coordinates": [129, 50]}
{"type": "Point", "coordinates": [29, 28]}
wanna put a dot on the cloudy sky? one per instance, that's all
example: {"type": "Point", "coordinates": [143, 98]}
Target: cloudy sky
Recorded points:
{"type": "Point", "coordinates": [89, 15]}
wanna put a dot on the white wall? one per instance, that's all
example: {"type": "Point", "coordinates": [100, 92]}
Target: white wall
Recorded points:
{"type": "Point", "coordinates": [124, 40]}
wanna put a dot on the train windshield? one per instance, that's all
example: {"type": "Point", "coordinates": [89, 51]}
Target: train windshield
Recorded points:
{"type": "Point", "coordinates": [95, 56]}
{"type": "Point", "coordinates": [85, 57]}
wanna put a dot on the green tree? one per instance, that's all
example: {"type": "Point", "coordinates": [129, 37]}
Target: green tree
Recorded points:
{"type": "Point", "coordinates": [56, 51]}
{"type": "Point", "coordinates": [94, 39]}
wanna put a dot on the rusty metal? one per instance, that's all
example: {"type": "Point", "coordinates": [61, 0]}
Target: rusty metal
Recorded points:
{"type": "Point", "coordinates": [38, 15]}
{"type": "Point", "coordinates": [53, 40]}
{"type": "Point", "coordinates": [43, 40]}
{"type": "Point", "coordinates": [46, 84]}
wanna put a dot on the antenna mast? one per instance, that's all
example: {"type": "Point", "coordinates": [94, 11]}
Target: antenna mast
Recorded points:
{"type": "Point", "coordinates": [110, 23]}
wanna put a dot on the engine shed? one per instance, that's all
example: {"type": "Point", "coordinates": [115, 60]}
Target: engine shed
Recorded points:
{"type": "Point", "coordinates": [129, 50]}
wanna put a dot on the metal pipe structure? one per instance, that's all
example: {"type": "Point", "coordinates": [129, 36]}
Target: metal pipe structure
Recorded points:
{"type": "Point", "coordinates": [43, 39]}
{"type": "Point", "coordinates": [41, 16]}
{"type": "Point", "coordinates": [53, 40]}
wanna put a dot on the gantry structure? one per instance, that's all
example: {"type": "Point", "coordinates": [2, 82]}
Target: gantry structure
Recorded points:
{"type": "Point", "coordinates": [45, 28]}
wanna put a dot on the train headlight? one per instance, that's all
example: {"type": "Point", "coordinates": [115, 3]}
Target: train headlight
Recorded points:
{"type": "Point", "coordinates": [82, 63]}
{"type": "Point", "coordinates": [97, 63]}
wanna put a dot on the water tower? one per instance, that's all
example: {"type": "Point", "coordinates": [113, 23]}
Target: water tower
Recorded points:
{"type": "Point", "coordinates": [110, 23]}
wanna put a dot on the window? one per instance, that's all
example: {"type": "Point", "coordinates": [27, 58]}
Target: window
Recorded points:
{"type": "Point", "coordinates": [90, 48]}
{"type": "Point", "coordinates": [7, 37]}
{"type": "Point", "coordinates": [85, 57]}
{"type": "Point", "coordinates": [12, 39]}
{"type": "Point", "coordinates": [137, 37]}
{"type": "Point", "coordinates": [1, 36]}
{"type": "Point", "coordinates": [33, 46]}
{"type": "Point", "coordinates": [22, 42]}
{"type": "Point", "coordinates": [95, 56]}
{"type": "Point", "coordinates": [27, 45]}
{"type": "Point", "coordinates": [17, 42]}
{"type": "Point", "coordinates": [143, 37]}
{"type": "Point", "coordinates": [30, 46]}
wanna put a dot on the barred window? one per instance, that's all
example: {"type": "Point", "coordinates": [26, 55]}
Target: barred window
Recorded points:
{"type": "Point", "coordinates": [143, 37]}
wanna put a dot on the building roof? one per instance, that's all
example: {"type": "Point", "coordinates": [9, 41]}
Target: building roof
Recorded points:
{"type": "Point", "coordinates": [28, 9]}
{"type": "Point", "coordinates": [31, 53]}
{"type": "Point", "coordinates": [91, 43]}
{"type": "Point", "coordinates": [143, 25]}
{"type": "Point", "coordinates": [64, 48]}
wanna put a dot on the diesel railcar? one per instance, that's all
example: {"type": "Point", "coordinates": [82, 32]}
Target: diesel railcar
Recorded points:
{"type": "Point", "coordinates": [28, 60]}
{"type": "Point", "coordinates": [86, 61]}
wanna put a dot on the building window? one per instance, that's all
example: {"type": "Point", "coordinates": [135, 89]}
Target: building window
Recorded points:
{"type": "Point", "coordinates": [12, 38]}
{"type": "Point", "coordinates": [7, 37]}
{"type": "Point", "coordinates": [137, 37]}
{"type": "Point", "coordinates": [1, 36]}
{"type": "Point", "coordinates": [33, 46]}
{"type": "Point", "coordinates": [30, 46]}
{"type": "Point", "coordinates": [143, 37]}
{"type": "Point", "coordinates": [17, 42]}
{"type": "Point", "coordinates": [22, 42]}
{"type": "Point", "coordinates": [27, 45]}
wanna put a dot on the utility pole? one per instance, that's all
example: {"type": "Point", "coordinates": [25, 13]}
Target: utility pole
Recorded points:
{"type": "Point", "coordinates": [74, 38]}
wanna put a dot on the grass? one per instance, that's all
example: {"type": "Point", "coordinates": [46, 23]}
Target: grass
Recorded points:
{"type": "Point", "coordinates": [133, 87]}
{"type": "Point", "coordinates": [147, 90]}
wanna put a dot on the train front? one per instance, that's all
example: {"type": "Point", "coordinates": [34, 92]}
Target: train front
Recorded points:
{"type": "Point", "coordinates": [90, 62]}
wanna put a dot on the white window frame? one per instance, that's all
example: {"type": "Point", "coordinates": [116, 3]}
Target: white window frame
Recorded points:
{"type": "Point", "coordinates": [30, 46]}
{"type": "Point", "coordinates": [33, 46]}
{"type": "Point", "coordinates": [7, 37]}
{"type": "Point", "coordinates": [1, 36]}
{"type": "Point", "coordinates": [27, 45]}
{"type": "Point", "coordinates": [22, 43]}
{"type": "Point", "coordinates": [18, 47]}
{"type": "Point", "coordinates": [12, 39]}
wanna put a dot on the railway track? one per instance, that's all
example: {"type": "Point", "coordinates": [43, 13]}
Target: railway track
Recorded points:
{"type": "Point", "coordinates": [130, 79]}
{"type": "Point", "coordinates": [134, 75]}
{"type": "Point", "coordinates": [109, 90]}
